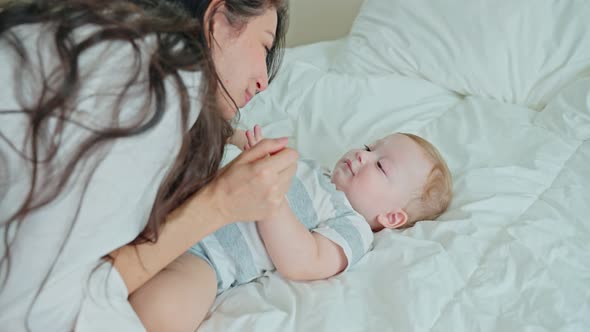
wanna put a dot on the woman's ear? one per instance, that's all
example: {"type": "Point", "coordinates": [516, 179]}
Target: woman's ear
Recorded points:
{"type": "Point", "coordinates": [210, 19]}
{"type": "Point", "coordinates": [393, 219]}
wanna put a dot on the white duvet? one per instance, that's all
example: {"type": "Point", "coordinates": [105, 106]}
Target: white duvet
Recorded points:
{"type": "Point", "coordinates": [502, 88]}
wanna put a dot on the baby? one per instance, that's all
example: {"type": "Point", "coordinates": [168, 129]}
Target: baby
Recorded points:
{"type": "Point", "coordinates": [324, 226]}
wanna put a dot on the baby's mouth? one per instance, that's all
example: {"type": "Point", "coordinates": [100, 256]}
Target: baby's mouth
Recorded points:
{"type": "Point", "coordinates": [349, 164]}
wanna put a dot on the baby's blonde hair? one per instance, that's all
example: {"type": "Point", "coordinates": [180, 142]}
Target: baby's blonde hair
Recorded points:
{"type": "Point", "coordinates": [436, 194]}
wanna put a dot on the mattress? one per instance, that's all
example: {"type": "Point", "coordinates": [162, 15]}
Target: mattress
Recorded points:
{"type": "Point", "coordinates": [502, 89]}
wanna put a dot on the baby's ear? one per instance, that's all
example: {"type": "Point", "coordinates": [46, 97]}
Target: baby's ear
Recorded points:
{"type": "Point", "coordinates": [393, 219]}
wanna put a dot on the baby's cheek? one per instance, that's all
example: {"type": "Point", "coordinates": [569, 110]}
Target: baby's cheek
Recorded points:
{"type": "Point", "coordinates": [372, 188]}
{"type": "Point", "coordinates": [337, 179]}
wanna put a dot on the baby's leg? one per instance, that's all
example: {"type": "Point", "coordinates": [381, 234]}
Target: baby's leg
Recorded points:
{"type": "Point", "coordinates": [178, 297]}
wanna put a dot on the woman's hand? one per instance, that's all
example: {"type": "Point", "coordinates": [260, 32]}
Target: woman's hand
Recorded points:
{"type": "Point", "coordinates": [251, 187]}
{"type": "Point", "coordinates": [254, 184]}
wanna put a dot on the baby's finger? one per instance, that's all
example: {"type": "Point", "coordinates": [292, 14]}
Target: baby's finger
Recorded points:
{"type": "Point", "coordinates": [257, 133]}
{"type": "Point", "coordinates": [261, 150]}
{"type": "Point", "coordinates": [250, 138]}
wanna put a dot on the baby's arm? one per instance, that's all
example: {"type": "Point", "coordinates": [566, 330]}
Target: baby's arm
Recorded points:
{"type": "Point", "coordinates": [297, 253]}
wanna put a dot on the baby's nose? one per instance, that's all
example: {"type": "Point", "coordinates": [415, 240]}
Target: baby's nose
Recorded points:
{"type": "Point", "coordinates": [359, 156]}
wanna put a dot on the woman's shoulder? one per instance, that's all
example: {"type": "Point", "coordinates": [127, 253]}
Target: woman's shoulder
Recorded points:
{"type": "Point", "coordinates": [108, 71]}
{"type": "Point", "coordinates": [115, 189]}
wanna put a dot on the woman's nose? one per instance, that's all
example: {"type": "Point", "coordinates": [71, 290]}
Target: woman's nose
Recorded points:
{"type": "Point", "coordinates": [262, 83]}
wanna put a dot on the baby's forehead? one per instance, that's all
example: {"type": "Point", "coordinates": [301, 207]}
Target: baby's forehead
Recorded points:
{"type": "Point", "coordinates": [402, 146]}
{"type": "Point", "coordinates": [391, 138]}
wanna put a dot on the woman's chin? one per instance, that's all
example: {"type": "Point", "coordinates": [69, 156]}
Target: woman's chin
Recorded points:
{"type": "Point", "coordinates": [227, 108]}
{"type": "Point", "coordinates": [229, 112]}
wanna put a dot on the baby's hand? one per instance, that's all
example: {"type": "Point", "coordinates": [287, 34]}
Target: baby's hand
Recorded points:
{"type": "Point", "coordinates": [253, 136]}
{"type": "Point", "coordinates": [238, 139]}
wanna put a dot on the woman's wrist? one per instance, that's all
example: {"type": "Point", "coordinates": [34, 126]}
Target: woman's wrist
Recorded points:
{"type": "Point", "coordinates": [205, 203]}
{"type": "Point", "coordinates": [188, 224]}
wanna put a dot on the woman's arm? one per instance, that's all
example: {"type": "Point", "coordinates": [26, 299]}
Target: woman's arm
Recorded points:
{"type": "Point", "coordinates": [251, 187]}
{"type": "Point", "coordinates": [185, 226]}
{"type": "Point", "coordinates": [297, 253]}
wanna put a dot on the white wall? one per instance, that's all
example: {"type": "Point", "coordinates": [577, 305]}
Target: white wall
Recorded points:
{"type": "Point", "coordinates": [317, 20]}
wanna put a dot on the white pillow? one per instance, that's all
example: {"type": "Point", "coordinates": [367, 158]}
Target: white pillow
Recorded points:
{"type": "Point", "coordinates": [520, 52]}
{"type": "Point", "coordinates": [568, 114]}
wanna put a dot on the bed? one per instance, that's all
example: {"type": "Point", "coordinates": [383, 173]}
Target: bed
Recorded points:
{"type": "Point", "coordinates": [502, 88]}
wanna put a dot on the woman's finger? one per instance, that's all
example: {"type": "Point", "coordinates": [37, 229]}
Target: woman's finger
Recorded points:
{"type": "Point", "coordinates": [280, 161]}
{"type": "Point", "coordinates": [268, 146]}
{"type": "Point", "coordinates": [286, 176]}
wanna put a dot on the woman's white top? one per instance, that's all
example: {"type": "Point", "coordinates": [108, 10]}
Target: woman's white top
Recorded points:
{"type": "Point", "coordinates": [115, 206]}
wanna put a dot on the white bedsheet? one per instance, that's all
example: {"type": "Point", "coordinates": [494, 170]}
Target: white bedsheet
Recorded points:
{"type": "Point", "coordinates": [513, 251]}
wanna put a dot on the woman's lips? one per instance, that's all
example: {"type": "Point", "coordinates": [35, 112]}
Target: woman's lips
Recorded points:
{"type": "Point", "coordinates": [248, 97]}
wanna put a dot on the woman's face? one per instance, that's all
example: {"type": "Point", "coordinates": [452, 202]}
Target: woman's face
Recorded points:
{"type": "Point", "coordinates": [240, 55]}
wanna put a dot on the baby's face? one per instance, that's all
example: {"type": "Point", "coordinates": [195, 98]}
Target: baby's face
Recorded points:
{"type": "Point", "coordinates": [382, 176]}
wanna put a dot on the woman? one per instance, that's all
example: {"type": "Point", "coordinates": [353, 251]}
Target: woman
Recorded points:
{"type": "Point", "coordinates": [112, 124]}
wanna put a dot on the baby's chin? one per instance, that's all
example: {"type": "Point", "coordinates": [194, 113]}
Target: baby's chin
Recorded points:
{"type": "Point", "coordinates": [336, 179]}
{"type": "Point", "coordinates": [351, 200]}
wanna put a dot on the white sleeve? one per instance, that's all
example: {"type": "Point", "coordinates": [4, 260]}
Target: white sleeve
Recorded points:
{"type": "Point", "coordinates": [323, 209]}
{"type": "Point", "coordinates": [104, 308]}
{"type": "Point", "coordinates": [52, 249]}
{"type": "Point", "coordinates": [349, 231]}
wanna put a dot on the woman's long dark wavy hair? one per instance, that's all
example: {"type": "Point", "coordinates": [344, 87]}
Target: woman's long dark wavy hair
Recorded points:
{"type": "Point", "coordinates": [180, 46]}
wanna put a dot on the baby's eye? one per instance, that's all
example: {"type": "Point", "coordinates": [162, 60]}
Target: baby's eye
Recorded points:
{"type": "Point", "coordinates": [380, 166]}
{"type": "Point", "coordinates": [367, 148]}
